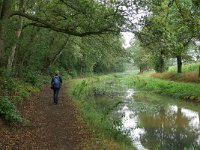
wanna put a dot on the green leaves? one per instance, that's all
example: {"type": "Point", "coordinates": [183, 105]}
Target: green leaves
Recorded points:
{"type": "Point", "coordinates": [169, 29]}
{"type": "Point", "coordinates": [8, 110]}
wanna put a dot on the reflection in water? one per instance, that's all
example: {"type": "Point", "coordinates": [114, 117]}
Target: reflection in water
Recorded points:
{"type": "Point", "coordinates": [130, 122]}
{"type": "Point", "coordinates": [171, 128]}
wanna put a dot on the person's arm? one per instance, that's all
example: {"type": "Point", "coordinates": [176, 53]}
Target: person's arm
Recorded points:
{"type": "Point", "coordinates": [60, 79]}
{"type": "Point", "coordinates": [52, 82]}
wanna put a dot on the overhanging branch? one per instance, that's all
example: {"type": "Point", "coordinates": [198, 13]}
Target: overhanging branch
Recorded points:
{"type": "Point", "coordinates": [42, 23]}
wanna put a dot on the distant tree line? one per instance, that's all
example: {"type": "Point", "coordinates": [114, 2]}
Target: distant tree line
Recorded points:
{"type": "Point", "coordinates": [170, 30]}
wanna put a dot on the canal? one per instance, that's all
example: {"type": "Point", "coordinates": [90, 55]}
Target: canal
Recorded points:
{"type": "Point", "coordinates": [156, 122]}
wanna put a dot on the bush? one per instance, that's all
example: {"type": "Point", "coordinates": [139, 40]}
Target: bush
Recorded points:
{"type": "Point", "coordinates": [73, 73]}
{"type": "Point", "coordinates": [8, 110]}
{"type": "Point", "coordinates": [13, 90]}
{"type": "Point", "coordinates": [31, 77]}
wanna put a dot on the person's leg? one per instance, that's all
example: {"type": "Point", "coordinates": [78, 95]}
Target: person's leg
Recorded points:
{"type": "Point", "coordinates": [57, 95]}
{"type": "Point", "coordinates": [54, 95]}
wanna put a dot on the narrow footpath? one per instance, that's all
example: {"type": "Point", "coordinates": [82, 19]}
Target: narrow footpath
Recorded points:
{"type": "Point", "coordinates": [52, 127]}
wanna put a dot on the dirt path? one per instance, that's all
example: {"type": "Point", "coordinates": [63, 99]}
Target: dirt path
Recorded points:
{"type": "Point", "coordinates": [53, 127]}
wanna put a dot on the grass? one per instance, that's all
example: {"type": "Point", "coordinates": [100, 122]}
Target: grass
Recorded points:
{"type": "Point", "coordinates": [187, 91]}
{"type": "Point", "coordinates": [190, 73]}
{"type": "Point", "coordinates": [96, 112]}
{"type": "Point", "coordinates": [183, 77]}
{"type": "Point", "coordinates": [186, 68]}
{"type": "Point", "coordinates": [183, 87]}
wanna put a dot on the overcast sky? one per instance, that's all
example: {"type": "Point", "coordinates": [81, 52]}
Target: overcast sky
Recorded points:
{"type": "Point", "coordinates": [127, 38]}
{"type": "Point", "coordinates": [128, 35]}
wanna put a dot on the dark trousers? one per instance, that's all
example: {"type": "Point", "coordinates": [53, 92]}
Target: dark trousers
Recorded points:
{"type": "Point", "coordinates": [55, 95]}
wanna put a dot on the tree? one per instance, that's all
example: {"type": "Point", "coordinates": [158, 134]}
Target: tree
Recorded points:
{"type": "Point", "coordinates": [169, 30]}
{"type": "Point", "coordinates": [139, 56]}
{"type": "Point", "coordinates": [78, 18]}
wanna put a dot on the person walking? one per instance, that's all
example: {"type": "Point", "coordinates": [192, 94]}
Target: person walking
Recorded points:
{"type": "Point", "coordinates": [56, 84]}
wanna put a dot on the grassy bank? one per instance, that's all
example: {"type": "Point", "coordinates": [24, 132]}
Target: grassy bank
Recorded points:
{"type": "Point", "coordinates": [97, 112]}
{"type": "Point", "coordinates": [13, 90]}
{"type": "Point", "coordinates": [187, 91]}
{"type": "Point", "coordinates": [190, 73]}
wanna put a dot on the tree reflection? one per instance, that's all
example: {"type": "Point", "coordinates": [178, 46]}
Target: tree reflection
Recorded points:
{"type": "Point", "coordinates": [167, 130]}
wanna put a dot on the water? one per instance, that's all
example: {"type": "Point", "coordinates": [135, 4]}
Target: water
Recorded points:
{"type": "Point", "coordinates": [160, 125]}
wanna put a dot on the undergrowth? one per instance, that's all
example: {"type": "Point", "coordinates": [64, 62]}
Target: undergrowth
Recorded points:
{"type": "Point", "coordinates": [12, 91]}
{"type": "Point", "coordinates": [182, 77]}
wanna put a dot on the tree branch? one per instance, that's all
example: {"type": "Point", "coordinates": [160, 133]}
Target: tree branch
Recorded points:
{"type": "Point", "coordinates": [42, 23]}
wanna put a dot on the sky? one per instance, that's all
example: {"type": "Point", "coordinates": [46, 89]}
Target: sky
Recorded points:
{"type": "Point", "coordinates": [127, 38]}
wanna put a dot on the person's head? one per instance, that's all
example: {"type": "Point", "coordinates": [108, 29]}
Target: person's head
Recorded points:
{"type": "Point", "coordinates": [56, 72]}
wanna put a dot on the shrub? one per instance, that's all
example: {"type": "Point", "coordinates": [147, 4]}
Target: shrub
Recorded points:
{"type": "Point", "coordinates": [13, 90]}
{"type": "Point", "coordinates": [8, 110]}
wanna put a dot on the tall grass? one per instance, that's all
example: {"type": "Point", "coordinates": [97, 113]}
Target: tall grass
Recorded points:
{"type": "Point", "coordinates": [190, 74]}
{"type": "Point", "coordinates": [184, 77]}
{"type": "Point", "coordinates": [188, 67]}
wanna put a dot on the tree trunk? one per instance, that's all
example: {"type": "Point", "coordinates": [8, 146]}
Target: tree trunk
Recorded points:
{"type": "Point", "coordinates": [5, 13]}
{"type": "Point", "coordinates": [162, 64]}
{"type": "Point", "coordinates": [13, 49]}
{"type": "Point", "coordinates": [58, 54]}
{"type": "Point", "coordinates": [141, 70]}
{"type": "Point", "coordinates": [1, 47]}
{"type": "Point", "coordinates": [18, 34]}
{"type": "Point", "coordinates": [179, 64]}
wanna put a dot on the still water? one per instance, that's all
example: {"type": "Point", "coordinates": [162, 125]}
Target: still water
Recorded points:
{"type": "Point", "coordinates": [165, 124]}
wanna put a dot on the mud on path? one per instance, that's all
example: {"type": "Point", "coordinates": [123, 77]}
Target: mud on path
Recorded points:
{"type": "Point", "coordinates": [52, 127]}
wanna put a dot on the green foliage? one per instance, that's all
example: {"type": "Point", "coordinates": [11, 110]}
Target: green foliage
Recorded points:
{"type": "Point", "coordinates": [8, 110]}
{"type": "Point", "coordinates": [73, 73]}
{"type": "Point", "coordinates": [169, 30]}
{"type": "Point", "coordinates": [38, 49]}
{"type": "Point", "coordinates": [140, 57]}
{"type": "Point", "coordinates": [7, 84]}
{"type": "Point", "coordinates": [189, 67]}
{"type": "Point", "coordinates": [31, 77]}
{"type": "Point", "coordinates": [13, 91]}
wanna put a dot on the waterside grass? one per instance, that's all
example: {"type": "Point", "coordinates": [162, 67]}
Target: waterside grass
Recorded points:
{"type": "Point", "coordinates": [187, 91]}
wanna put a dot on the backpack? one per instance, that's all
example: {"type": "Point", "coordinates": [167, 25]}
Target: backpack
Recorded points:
{"type": "Point", "coordinates": [56, 82]}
